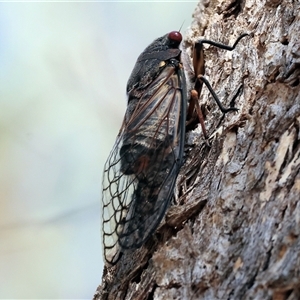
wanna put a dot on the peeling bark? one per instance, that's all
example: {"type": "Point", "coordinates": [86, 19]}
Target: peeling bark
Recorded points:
{"type": "Point", "coordinates": [234, 232]}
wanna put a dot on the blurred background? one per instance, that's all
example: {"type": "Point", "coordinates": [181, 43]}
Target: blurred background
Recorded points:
{"type": "Point", "coordinates": [63, 73]}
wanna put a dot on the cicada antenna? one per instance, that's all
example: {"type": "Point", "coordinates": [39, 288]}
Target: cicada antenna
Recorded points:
{"type": "Point", "coordinates": [181, 25]}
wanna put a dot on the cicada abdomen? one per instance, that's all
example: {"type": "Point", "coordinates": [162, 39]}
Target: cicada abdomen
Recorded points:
{"type": "Point", "coordinates": [141, 170]}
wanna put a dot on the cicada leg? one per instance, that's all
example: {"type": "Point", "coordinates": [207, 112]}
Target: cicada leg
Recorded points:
{"type": "Point", "coordinates": [199, 71]}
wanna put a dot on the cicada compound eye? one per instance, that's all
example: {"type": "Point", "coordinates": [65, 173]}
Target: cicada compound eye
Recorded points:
{"type": "Point", "coordinates": [175, 37]}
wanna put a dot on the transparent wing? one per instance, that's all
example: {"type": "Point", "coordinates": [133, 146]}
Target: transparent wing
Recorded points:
{"type": "Point", "coordinates": [141, 170]}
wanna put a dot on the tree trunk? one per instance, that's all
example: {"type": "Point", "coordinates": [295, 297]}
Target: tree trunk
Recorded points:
{"type": "Point", "coordinates": [234, 232]}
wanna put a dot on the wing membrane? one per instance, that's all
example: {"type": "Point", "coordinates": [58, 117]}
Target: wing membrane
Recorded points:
{"type": "Point", "coordinates": [142, 167]}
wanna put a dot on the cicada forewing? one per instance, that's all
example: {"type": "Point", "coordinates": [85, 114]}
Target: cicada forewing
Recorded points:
{"type": "Point", "coordinates": [142, 168]}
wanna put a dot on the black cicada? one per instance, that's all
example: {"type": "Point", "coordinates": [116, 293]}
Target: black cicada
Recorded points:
{"type": "Point", "coordinates": [141, 170]}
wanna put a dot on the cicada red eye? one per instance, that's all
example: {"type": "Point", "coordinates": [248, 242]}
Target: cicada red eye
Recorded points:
{"type": "Point", "coordinates": [175, 37]}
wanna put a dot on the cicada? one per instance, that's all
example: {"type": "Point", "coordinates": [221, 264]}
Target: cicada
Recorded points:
{"type": "Point", "coordinates": [141, 170]}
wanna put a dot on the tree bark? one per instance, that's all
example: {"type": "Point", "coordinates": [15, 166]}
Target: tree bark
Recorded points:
{"type": "Point", "coordinates": [234, 232]}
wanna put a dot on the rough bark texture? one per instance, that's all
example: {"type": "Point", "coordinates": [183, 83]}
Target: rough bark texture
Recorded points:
{"type": "Point", "coordinates": [234, 232]}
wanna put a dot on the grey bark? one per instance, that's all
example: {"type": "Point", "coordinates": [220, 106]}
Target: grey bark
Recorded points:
{"type": "Point", "coordinates": [234, 232]}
